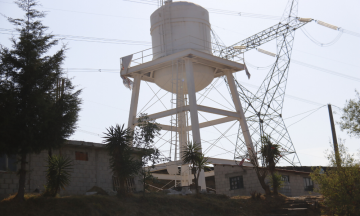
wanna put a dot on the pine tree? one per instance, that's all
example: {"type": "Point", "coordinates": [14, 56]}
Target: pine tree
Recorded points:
{"type": "Point", "coordinates": [38, 105]}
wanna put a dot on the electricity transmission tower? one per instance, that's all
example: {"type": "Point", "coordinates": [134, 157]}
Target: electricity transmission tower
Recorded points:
{"type": "Point", "coordinates": [263, 110]}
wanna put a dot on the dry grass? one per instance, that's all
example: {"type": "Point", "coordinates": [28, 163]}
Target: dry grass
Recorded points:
{"type": "Point", "coordinates": [151, 204]}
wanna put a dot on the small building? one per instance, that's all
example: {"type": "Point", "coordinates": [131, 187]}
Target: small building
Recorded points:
{"type": "Point", "coordinates": [233, 180]}
{"type": "Point", "coordinates": [90, 168]}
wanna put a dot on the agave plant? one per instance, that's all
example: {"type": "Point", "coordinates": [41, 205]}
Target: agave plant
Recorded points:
{"type": "Point", "coordinates": [118, 142]}
{"type": "Point", "coordinates": [271, 153]}
{"type": "Point", "coordinates": [192, 155]}
{"type": "Point", "coordinates": [58, 174]}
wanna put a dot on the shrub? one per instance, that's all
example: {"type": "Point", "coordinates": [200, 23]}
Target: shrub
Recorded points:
{"type": "Point", "coordinates": [340, 185]}
{"type": "Point", "coordinates": [57, 174]}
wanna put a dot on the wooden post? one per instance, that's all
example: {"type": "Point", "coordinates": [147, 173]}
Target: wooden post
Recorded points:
{"type": "Point", "coordinates": [336, 148]}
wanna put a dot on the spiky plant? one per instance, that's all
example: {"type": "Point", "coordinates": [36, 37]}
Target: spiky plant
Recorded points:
{"type": "Point", "coordinates": [118, 143]}
{"type": "Point", "coordinates": [192, 155]}
{"type": "Point", "coordinates": [58, 174]}
{"type": "Point", "coordinates": [271, 153]}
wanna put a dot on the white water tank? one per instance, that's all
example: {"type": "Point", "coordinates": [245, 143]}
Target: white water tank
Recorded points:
{"type": "Point", "coordinates": [177, 26]}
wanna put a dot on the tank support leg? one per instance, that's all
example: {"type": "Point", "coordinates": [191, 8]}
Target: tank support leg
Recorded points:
{"type": "Point", "coordinates": [134, 101]}
{"type": "Point", "coordinates": [194, 112]}
{"type": "Point", "coordinates": [239, 110]}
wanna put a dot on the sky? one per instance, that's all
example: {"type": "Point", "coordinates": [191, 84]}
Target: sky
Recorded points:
{"type": "Point", "coordinates": [99, 33]}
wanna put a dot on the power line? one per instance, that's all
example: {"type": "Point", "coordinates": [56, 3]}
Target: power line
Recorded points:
{"type": "Point", "coordinates": [87, 39]}
{"type": "Point", "coordinates": [288, 96]}
{"type": "Point", "coordinates": [85, 12]}
{"type": "Point", "coordinates": [302, 113]}
{"type": "Point", "coordinates": [154, 3]}
{"type": "Point", "coordinates": [326, 70]}
{"type": "Point", "coordinates": [306, 116]}
{"type": "Point", "coordinates": [217, 11]}
{"type": "Point", "coordinates": [95, 70]}
{"type": "Point", "coordinates": [319, 43]}
{"type": "Point", "coordinates": [350, 32]}
{"type": "Point", "coordinates": [327, 58]}
{"type": "Point", "coordinates": [88, 132]}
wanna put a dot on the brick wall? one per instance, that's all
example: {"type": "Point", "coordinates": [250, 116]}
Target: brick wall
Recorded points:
{"type": "Point", "coordinates": [223, 173]}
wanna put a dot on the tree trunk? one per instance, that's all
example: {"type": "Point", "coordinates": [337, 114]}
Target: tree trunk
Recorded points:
{"type": "Point", "coordinates": [274, 185]}
{"type": "Point", "coordinates": [272, 170]}
{"type": "Point", "coordinates": [261, 178]}
{"type": "Point", "coordinates": [21, 191]}
{"type": "Point", "coordinates": [196, 184]}
{"type": "Point", "coordinates": [121, 190]}
{"type": "Point", "coordinates": [144, 177]}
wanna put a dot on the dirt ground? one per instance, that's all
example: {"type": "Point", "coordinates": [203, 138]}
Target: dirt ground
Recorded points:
{"type": "Point", "coordinates": [150, 204]}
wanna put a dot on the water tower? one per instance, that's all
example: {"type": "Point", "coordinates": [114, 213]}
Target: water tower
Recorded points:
{"type": "Point", "coordinates": [182, 63]}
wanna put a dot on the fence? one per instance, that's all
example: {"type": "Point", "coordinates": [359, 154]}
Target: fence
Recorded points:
{"type": "Point", "coordinates": [130, 184]}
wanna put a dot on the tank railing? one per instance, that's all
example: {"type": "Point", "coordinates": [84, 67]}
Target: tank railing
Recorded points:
{"type": "Point", "coordinates": [147, 55]}
{"type": "Point", "coordinates": [143, 56]}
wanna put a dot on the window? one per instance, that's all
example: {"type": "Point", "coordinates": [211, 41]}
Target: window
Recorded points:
{"type": "Point", "coordinates": [81, 156]}
{"type": "Point", "coordinates": [236, 182]}
{"type": "Point", "coordinates": [308, 184]}
{"type": "Point", "coordinates": [7, 163]}
{"type": "Point", "coordinates": [285, 178]}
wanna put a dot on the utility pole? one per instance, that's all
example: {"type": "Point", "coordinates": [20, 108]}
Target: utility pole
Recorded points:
{"type": "Point", "coordinates": [336, 148]}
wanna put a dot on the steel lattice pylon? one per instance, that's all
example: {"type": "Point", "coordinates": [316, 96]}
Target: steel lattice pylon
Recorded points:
{"type": "Point", "coordinates": [263, 110]}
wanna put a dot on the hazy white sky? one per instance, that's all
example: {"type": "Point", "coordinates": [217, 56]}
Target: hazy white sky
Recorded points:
{"type": "Point", "coordinates": [106, 101]}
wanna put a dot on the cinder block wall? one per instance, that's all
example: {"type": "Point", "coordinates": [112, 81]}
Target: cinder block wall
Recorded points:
{"type": "Point", "coordinates": [9, 183]}
{"type": "Point", "coordinates": [85, 174]}
{"type": "Point", "coordinates": [223, 173]}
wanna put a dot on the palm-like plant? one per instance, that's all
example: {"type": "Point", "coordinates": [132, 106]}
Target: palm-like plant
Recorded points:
{"type": "Point", "coordinates": [118, 143]}
{"type": "Point", "coordinates": [57, 174]}
{"type": "Point", "coordinates": [192, 155]}
{"type": "Point", "coordinates": [271, 153]}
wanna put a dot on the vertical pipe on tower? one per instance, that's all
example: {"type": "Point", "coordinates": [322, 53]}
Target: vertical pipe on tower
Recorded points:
{"type": "Point", "coordinates": [192, 101]}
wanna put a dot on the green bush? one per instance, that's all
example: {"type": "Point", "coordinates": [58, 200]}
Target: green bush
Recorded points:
{"type": "Point", "coordinates": [340, 186]}
{"type": "Point", "coordinates": [275, 181]}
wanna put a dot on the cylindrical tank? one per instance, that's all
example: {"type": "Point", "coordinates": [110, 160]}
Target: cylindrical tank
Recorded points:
{"type": "Point", "coordinates": [178, 26]}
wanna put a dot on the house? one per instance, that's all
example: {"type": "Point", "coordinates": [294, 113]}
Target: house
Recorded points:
{"type": "Point", "coordinates": [90, 168]}
{"type": "Point", "coordinates": [234, 180]}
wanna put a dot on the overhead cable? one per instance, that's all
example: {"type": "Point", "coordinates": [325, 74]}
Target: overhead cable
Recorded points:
{"type": "Point", "coordinates": [306, 116]}
{"type": "Point", "coordinates": [324, 70]}
{"type": "Point", "coordinates": [286, 95]}
{"type": "Point", "coordinates": [319, 43]}
{"type": "Point", "coordinates": [302, 113]}
{"type": "Point", "coordinates": [258, 68]}
{"type": "Point", "coordinates": [88, 132]}
{"type": "Point", "coordinates": [87, 39]}
{"type": "Point", "coordinates": [217, 11]}
{"type": "Point", "coordinates": [350, 32]}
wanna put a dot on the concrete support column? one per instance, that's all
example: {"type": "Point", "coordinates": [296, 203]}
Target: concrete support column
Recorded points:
{"type": "Point", "coordinates": [194, 112]}
{"type": "Point", "coordinates": [239, 110]}
{"type": "Point", "coordinates": [134, 101]}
